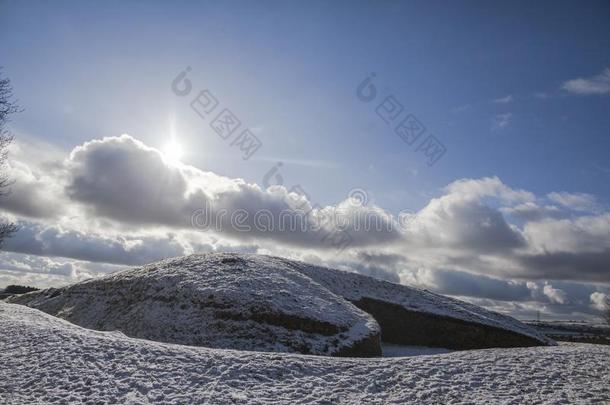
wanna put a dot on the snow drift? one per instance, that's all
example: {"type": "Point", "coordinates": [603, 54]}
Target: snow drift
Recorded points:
{"type": "Point", "coordinates": [255, 302]}
{"type": "Point", "coordinates": [48, 360]}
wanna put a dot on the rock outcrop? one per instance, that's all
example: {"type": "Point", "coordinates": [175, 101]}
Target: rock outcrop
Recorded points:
{"type": "Point", "coordinates": [412, 316]}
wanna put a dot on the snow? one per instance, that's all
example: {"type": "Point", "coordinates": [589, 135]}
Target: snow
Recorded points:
{"type": "Point", "coordinates": [48, 360]}
{"type": "Point", "coordinates": [214, 300]}
{"type": "Point", "coordinates": [241, 301]}
{"type": "Point", "coordinates": [354, 287]}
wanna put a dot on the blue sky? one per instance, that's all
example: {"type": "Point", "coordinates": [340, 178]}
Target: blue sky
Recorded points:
{"type": "Point", "coordinates": [491, 81]}
{"type": "Point", "coordinates": [89, 69]}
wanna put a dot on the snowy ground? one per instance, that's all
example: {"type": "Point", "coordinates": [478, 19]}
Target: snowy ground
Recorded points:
{"type": "Point", "coordinates": [45, 359]}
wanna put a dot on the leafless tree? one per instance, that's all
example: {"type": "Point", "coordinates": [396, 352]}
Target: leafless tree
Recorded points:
{"type": "Point", "coordinates": [7, 107]}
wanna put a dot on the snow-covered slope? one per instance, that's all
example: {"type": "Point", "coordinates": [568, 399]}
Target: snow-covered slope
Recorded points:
{"type": "Point", "coordinates": [44, 359]}
{"type": "Point", "coordinates": [217, 300]}
{"type": "Point", "coordinates": [356, 287]}
{"type": "Point", "coordinates": [256, 302]}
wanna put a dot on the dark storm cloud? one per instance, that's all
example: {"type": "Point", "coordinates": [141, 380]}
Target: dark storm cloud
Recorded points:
{"type": "Point", "coordinates": [122, 179]}
{"type": "Point", "coordinates": [460, 283]}
{"type": "Point", "coordinates": [43, 240]}
{"type": "Point", "coordinates": [31, 193]}
{"type": "Point", "coordinates": [576, 266]}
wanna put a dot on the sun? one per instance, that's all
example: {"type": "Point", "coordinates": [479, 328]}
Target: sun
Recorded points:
{"type": "Point", "coordinates": [172, 151]}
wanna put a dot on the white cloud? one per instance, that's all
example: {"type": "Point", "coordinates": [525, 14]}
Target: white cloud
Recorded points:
{"type": "Point", "coordinates": [488, 187]}
{"type": "Point", "coordinates": [504, 100]}
{"type": "Point", "coordinates": [122, 179]}
{"type": "Point", "coordinates": [599, 300]}
{"type": "Point", "coordinates": [531, 211]}
{"type": "Point", "coordinates": [41, 271]}
{"type": "Point", "coordinates": [459, 221]}
{"type": "Point", "coordinates": [122, 203]}
{"type": "Point", "coordinates": [54, 240]}
{"type": "Point", "coordinates": [575, 201]}
{"type": "Point", "coordinates": [464, 284]}
{"type": "Point", "coordinates": [501, 121]}
{"type": "Point", "coordinates": [599, 84]}
{"type": "Point", "coordinates": [37, 180]}
{"type": "Point", "coordinates": [555, 294]}
{"type": "Point", "coordinates": [589, 233]}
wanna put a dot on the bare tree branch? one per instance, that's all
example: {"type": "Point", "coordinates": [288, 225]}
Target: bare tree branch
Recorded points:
{"type": "Point", "coordinates": [6, 230]}
{"type": "Point", "coordinates": [7, 107]}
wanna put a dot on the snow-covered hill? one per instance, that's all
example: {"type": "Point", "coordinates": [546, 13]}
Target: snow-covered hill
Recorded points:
{"type": "Point", "coordinates": [48, 360]}
{"type": "Point", "coordinates": [265, 303]}
{"type": "Point", "coordinates": [217, 300]}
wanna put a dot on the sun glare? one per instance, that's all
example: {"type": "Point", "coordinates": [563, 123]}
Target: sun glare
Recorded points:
{"type": "Point", "coordinates": [172, 151]}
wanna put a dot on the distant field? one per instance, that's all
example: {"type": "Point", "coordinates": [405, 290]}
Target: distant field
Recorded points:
{"type": "Point", "coordinates": [574, 331]}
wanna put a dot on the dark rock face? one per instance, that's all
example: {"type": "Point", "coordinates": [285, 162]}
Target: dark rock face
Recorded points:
{"type": "Point", "coordinates": [404, 327]}
{"type": "Point", "coordinates": [367, 347]}
{"type": "Point", "coordinates": [412, 316]}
